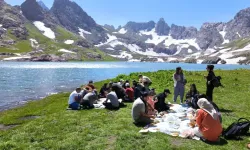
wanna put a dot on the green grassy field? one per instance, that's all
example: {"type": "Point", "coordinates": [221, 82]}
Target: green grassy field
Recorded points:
{"type": "Point", "coordinates": [57, 128]}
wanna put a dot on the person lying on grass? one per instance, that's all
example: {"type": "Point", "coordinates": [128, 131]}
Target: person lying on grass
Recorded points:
{"type": "Point", "coordinates": [207, 120]}
{"type": "Point", "coordinates": [114, 102]}
{"type": "Point", "coordinates": [139, 110]}
{"type": "Point", "coordinates": [74, 99]}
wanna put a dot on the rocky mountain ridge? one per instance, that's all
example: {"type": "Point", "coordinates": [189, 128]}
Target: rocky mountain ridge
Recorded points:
{"type": "Point", "coordinates": [68, 26]}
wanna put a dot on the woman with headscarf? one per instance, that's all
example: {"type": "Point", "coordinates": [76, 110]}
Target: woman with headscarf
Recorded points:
{"type": "Point", "coordinates": [208, 122]}
{"type": "Point", "coordinates": [179, 84]}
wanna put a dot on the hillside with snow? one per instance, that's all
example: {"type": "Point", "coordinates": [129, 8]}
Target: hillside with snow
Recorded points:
{"type": "Point", "coordinates": [67, 32]}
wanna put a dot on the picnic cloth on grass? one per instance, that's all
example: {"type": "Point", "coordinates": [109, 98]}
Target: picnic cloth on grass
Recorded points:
{"type": "Point", "coordinates": [99, 104]}
{"type": "Point", "coordinates": [174, 123]}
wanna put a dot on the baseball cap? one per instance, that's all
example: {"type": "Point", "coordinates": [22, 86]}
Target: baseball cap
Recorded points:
{"type": "Point", "coordinates": [127, 84]}
{"type": "Point", "coordinates": [167, 91]}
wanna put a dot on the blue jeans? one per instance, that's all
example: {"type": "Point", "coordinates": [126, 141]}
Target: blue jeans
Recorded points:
{"type": "Point", "coordinates": [74, 106]}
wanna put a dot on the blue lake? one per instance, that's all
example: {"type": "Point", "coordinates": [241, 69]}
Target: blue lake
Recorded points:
{"type": "Point", "coordinates": [22, 81]}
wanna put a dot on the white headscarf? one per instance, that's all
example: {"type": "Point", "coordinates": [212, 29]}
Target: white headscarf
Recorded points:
{"type": "Point", "coordinates": [205, 105]}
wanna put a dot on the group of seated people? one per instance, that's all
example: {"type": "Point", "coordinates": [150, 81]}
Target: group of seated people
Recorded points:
{"type": "Point", "coordinates": [146, 104]}
{"type": "Point", "coordinates": [207, 119]}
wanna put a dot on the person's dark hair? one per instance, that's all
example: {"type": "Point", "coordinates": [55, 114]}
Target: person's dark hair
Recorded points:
{"type": "Point", "coordinates": [140, 76]}
{"type": "Point", "coordinates": [127, 81]}
{"type": "Point", "coordinates": [195, 89]}
{"type": "Point", "coordinates": [210, 67]}
{"type": "Point", "coordinates": [78, 89]}
{"type": "Point", "coordinates": [105, 85]}
{"type": "Point", "coordinates": [177, 70]}
{"type": "Point", "coordinates": [113, 88]}
{"type": "Point", "coordinates": [91, 82]}
{"type": "Point", "coordinates": [135, 84]}
{"type": "Point", "coordinates": [202, 96]}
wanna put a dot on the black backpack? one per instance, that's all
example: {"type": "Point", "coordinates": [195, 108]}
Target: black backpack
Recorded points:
{"type": "Point", "coordinates": [237, 129]}
{"type": "Point", "coordinates": [216, 81]}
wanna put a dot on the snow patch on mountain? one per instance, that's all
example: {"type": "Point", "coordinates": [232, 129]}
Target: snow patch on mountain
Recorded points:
{"type": "Point", "coordinates": [122, 31]}
{"type": "Point", "coordinates": [190, 51]}
{"type": "Point", "coordinates": [15, 58]}
{"type": "Point", "coordinates": [238, 34]}
{"type": "Point", "coordinates": [110, 49]}
{"type": "Point", "coordinates": [223, 34]}
{"type": "Point", "coordinates": [1, 25]}
{"type": "Point", "coordinates": [69, 42]}
{"type": "Point", "coordinates": [160, 60]}
{"type": "Point", "coordinates": [111, 38]}
{"type": "Point", "coordinates": [156, 39]}
{"type": "Point", "coordinates": [185, 43]}
{"type": "Point", "coordinates": [82, 32]}
{"type": "Point", "coordinates": [123, 54]}
{"type": "Point", "coordinates": [46, 31]}
{"type": "Point", "coordinates": [34, 43]}
{"type": "Point", "coordinates": [66, 51]}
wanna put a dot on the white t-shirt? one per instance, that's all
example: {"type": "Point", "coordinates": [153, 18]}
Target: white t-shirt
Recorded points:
{"type": "Point", "coordinates": [72, 97]}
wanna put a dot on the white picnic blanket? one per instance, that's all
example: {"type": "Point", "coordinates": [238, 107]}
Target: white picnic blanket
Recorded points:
{"type": "Point", "coordinates": [174, 124]}
{"type": "Point", "coordinates": [99, 104]}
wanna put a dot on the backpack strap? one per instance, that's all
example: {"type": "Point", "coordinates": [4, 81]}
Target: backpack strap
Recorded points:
{"type": "Point", "coordinates": [243, 119]}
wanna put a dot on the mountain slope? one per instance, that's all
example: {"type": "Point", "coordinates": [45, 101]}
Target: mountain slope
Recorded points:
{"type": "Point", "coordinates": [67, 31]}
{"type": "Point", "coordinates": [29, 33]}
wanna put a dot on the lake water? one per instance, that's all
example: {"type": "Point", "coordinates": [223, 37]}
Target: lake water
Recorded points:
{"type": "Point", "coordinates": [22, 81]}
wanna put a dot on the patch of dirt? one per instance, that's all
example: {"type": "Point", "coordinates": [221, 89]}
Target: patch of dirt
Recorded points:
{"type": "Point", "coordinates": [111, 141]}
{"type": "Point", "coordinates": [6, 127]}
{"type": "Point", "coordinates": [29, 117]}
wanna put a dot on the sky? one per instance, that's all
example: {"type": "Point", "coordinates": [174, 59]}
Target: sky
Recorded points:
{"type": "Point", "coordinates": [179, 12]}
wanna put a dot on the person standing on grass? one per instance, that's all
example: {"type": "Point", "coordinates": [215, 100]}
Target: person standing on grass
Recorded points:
{"type": "Point", "coordinates": [139, 110]}
{"type": "Point", "coordinates": [210, 86]}
{"type": "Point", "coordinates": [74, 99]}
{"type": "Point", "coordinates": [179, 84]}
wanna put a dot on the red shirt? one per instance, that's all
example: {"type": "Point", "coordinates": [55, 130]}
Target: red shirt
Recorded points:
{"type": "Point", "coordinates": [210, 128]}
{"type": "Point", "coordinates": [130, 93]}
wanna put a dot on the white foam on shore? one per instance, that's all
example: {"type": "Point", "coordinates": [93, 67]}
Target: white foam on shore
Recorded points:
{"type": "Point", "coordinates": [46, 31]}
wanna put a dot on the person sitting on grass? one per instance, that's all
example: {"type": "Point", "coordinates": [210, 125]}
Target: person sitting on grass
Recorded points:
{"type": "Point", "coordinates": [114, 103]}
{"type": "Point", "coordinates": [151, 103]}
{"type": "Point", "coordinates": [192, 96]}
{"type": "Point", "coordinates": [120, 92]}
{"type": "Point", "coordinates": [91, 84]}
{"type": "Point", "coordinates": [144, 79]}
{"type": "Point", "coordinates": [160, 104]}
{"type": "Point", "coordinates": [129, 93]}
{"type": "Point", "coordinates": [74, 99]}
{"type": "Point", "coordinates": [136, 88]}
{"type": "Point", "coordinates": [89, 99]}
{"type": "Point", "coordinates": [124, 84]}
{"type": "Point", "coordinates": [139, 110]}
{"type": "Point", "coordinates": [208, 122]}
{"type": "Point", "coordinates": [104, 91]}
